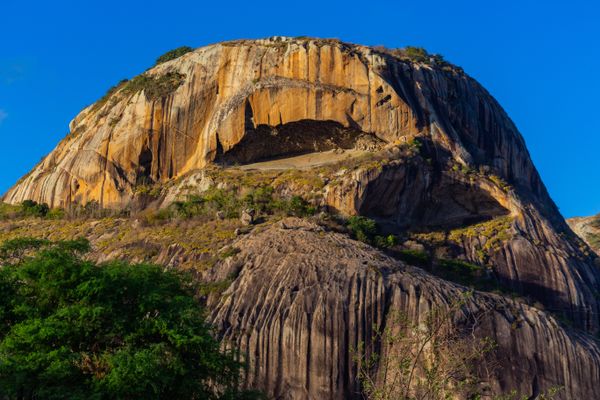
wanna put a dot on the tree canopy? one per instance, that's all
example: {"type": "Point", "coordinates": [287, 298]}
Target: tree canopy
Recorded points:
{"type": "Point", "coordinates": [73, 329]}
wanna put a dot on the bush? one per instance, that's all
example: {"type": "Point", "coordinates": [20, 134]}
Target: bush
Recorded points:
{"type": "Point", "coordinates": [362, 228]}
{"type": "Point", "coordinates": [104, 99]}
{"type": "Point", "coordinates": [465, 273]}
{"type": "Point", "coordinates": [76, 330]}
{"type": "Point", "coordinates": [155, 87]}
{"type": "Point", "coordinates": [173, 54]}
{"type": "Point", "coordinates": [231, 203]}
{"type": "Point", "coordinates": [298, 207]}
{"type": "Point", "coordinates": [261, 199]}
{"type": "Point", "coordinates": [366, 230]}
{"type": "Point", "coordinates": [29, 208]}
{"type": "Point", "coordinates": [414, 257]}
{"type": "Point", "coordinates": [55, 213]}
{"type": "Point", "coordinates": [417, 54]}
{"type": "Point", "coordinates": [34, 209]}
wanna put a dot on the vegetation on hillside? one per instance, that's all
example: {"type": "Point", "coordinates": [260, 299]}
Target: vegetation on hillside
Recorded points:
{"type": "Point", "coordinates": [107, 96]}
{"type": "Point", "coordinates": [154, 87]}
{"type": "Point", "coordinates": [173, 54]}
{"type": "Point", "coordinates": [366, 230]}
{"type": "Point", "coordinates": [28, 208]}
{"type": "Point", "coordinates": [229, 203]}
{"type": "Point", "coordinates": [434, 358]}
{"type": "Point", "coordinates": [76, 330]}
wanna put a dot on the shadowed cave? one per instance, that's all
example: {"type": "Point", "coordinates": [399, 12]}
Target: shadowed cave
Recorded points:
{"type": "Point", "coordinates": [267, 142]}
{"type": "Point", "coordinates": [407, 197]}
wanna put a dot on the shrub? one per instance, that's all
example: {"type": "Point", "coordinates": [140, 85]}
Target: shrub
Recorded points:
{"type": "Point", "coordinates": [414, 257]}
{"type": "Point", "coordinates": [298, 207]}
{"type": "Point", "coordinates": [417, 54]}
{"type": "Point", "coordinates": [55, 213]}
{"type": "Point", "coordinates": [155, 87]}
{"type": "Point", "coordinates": [366, 230]}
{"type": "Point", "coordinates": [73, 329]}
{"type": "Point", "coordinates": [109, 93]}
{"type": "Point", "coordinates": [425, 359]}
{"type": "Point", "coordinates": [385, 241]}
{"type": "Point", "coordinates": [230, 202]}
{"type": "Point", "coordinates": [362, 228]}
{"type": "Point", "coordinates": [261, 199]}
{"type": "Point", "coordinates": [467, 274]}
{"type": "Point", "coordinates": [229, 252]}
{"type": "Point", "coordinates": [173, 54]}
{"type": "Point", "coordinates": [34, 209]}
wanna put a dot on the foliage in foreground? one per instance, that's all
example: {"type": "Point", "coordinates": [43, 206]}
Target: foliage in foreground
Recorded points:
{"type": "Point", "coordinates": [430, 359]}
{"type": "Point", "coordinates": [73, 329]}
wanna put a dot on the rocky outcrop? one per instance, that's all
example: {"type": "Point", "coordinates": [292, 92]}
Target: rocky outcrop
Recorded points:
{"type": "Point", "coordinates": [232, 92]}
{"type": "Point", "coordinates": [535, 254]}
{"type": "Point", "coordinates": [438, 157]}
{"type": "Point", "coordinates": [588, 228]}
{"type": "Point", "coordinates": [303, 298]}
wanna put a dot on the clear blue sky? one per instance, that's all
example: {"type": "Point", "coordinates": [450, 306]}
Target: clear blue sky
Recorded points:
{"type": "Point", "coordinates": [540, 59]}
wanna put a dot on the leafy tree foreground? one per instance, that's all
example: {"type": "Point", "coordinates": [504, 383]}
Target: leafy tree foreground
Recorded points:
{"type": "Point", "coordinates": [72, 329]}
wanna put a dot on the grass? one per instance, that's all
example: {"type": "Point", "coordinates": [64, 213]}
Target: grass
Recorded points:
{"type": "Point", "coordinates": [218, 287]}
{"type": "Point", "coordinates": [27, 208]}
{"type": "Point", "coordinates": [191, 225]}
{"type": "Point", "coordinates": [594, 240]}
{"type": "Point", "coordinates": [501, 183]}
{"type": "Point", "coordinates": [150, 190]}
{"type": "Point", "coordinates": [126, 239]}
{"type": "Point", "coordinates": [495, 232]}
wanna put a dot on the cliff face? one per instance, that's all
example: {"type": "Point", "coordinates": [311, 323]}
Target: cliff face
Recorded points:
{"type": "Point", "coordinates": [224, 93]}
{"type": "Point", "coordinates": [420, 147]}
{"type": "Point", "coordinates": [304, 298]}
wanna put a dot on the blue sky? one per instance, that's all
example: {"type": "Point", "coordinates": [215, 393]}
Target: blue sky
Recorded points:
{"type": "Point", "coordinates": [541, 60]}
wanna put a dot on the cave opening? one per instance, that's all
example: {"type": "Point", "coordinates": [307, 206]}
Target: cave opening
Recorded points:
{"type": "Point", "coordinates": [406, 198]}
{"type": "Point", "coordinates": [268, 142]}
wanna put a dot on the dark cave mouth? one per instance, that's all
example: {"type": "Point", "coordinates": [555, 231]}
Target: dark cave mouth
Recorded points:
{"type": "Point", "coordinates": [267, 142]}
{"type": "Point", "coordinates": [444, 204]}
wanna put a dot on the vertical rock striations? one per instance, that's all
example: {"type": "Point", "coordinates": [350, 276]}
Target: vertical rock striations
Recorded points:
{"type": "Point", "coordinates": [304, 298]}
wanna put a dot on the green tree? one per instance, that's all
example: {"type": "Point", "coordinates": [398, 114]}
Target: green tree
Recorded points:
{"type": "Point", "coordinates": [73, 329]}
{"type": "Point", "coordinates": [34, 208]}
{"type": "Point", "coordinates": [173, 54]}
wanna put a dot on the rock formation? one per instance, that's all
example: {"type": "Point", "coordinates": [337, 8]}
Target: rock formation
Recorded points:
{"type": "Point", "coordinates": [419, 146]}
{"type": "Point", "coordinates": [252, 93]}
{"type": "Point", "coordinates": [588, 228]}
{"type": "Point", "coordinates": [303, 298]}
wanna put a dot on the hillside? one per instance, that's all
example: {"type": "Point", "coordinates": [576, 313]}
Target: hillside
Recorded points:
{"type": "Point", "coordinates": [588, 228]}
{"type": "Point", "coordinates": [199, 162]}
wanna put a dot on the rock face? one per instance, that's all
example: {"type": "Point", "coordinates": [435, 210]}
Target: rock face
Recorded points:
{"type": "Point", "coordinates": [232, 93]}
{"type": "Point", "coordinates": [303, 298]}
{"type": "Point", "coordinates": [444, 164]}
{"type": "Point", "coordinates": [588, 228]}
